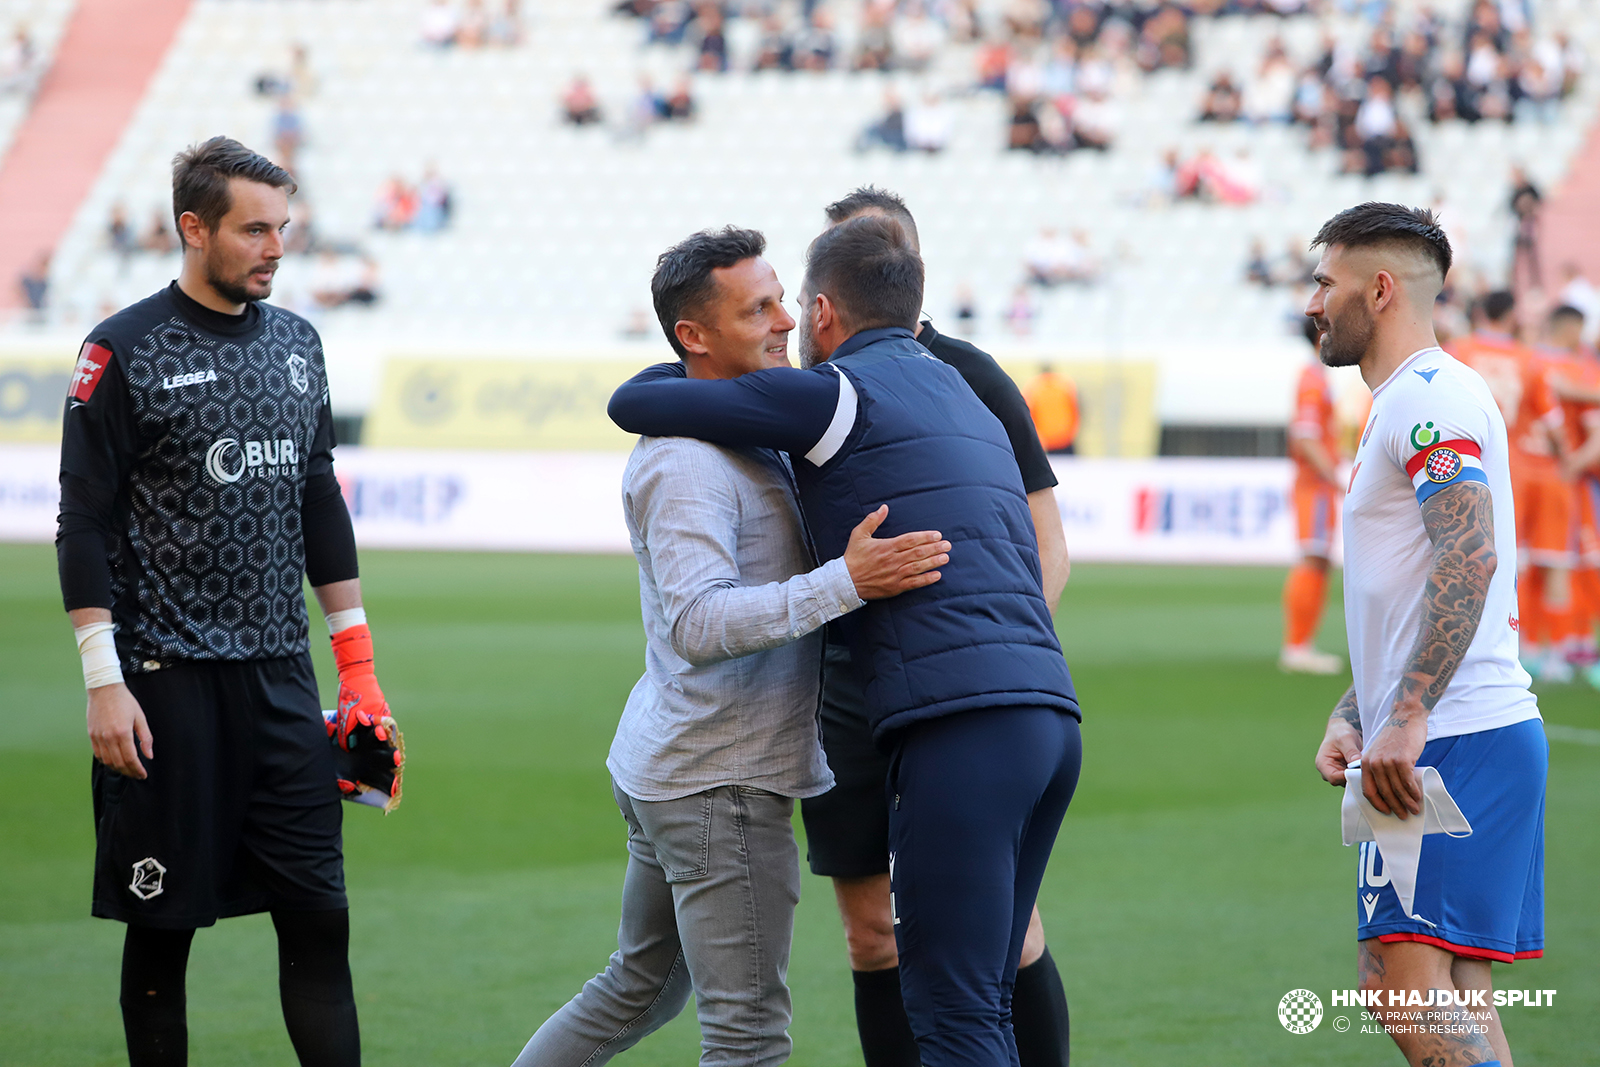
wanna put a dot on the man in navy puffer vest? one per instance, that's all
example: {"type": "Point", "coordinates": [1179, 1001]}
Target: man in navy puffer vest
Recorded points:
{"type": "Point", "coordinates": [967, 689]}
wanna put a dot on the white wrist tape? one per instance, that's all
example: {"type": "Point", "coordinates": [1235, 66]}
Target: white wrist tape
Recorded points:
{"type": "Point", "coordinates": [98, 651]}
{"type": "Point", "coordinates": [343, 620]}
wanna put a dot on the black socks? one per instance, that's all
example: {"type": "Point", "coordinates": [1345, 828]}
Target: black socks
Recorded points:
{"type": "Point", "coordinates": [319, 1004]}
{"type": "Point", "coordinates": [1039, 1015]}
{"type": "Point", "coordinates": [153, 999]}
{"type": "Point", "coordinates": [886, 1039]}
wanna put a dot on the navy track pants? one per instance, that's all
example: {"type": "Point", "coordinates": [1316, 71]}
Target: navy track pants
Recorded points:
{"type": "Point", "coordinates": [975, 800]}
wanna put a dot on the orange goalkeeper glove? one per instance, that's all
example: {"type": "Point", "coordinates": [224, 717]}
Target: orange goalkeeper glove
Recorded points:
{"type": "Point", "coordinates": [361, 702]}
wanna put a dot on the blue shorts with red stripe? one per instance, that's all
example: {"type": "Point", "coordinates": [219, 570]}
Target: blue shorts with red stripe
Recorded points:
{"type": "Point", "coordinates": [1480, 896]}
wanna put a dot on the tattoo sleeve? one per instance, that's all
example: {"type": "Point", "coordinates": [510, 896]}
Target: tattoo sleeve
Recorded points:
{"type": "Point", "coordinates": [1347, 710]}
{"type": "Point", "coordinates": [1460, 523]}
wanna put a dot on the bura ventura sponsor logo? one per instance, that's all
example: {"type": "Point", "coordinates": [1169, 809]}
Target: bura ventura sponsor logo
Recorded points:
{"type": "Point", "coordinates": [230, 459]}
{"type": "Point", "coordinates": [178, 381]}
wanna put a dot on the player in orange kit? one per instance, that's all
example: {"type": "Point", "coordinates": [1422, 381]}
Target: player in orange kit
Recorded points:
{"type": "Point", "coordinates": [1314, 447]}
{"type": "Point", "coordinates": [1519, 381]}
{"type": "Point", "coordinates": [1575, 378]}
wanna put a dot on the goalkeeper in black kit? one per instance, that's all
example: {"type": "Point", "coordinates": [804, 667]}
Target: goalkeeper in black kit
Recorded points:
{"type": "Point", "coordinates": [197, 489]}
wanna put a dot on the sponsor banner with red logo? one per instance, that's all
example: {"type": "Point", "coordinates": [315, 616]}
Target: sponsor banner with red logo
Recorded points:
{"type": "Point", "coordinates": [1152, 510]}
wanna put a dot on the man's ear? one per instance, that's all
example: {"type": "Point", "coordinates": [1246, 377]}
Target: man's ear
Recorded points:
{"type": "Point", "coordinates": [1384, 289]}
{"type": "Point", "coordinates": [692, 336]}
{"type": "Point", "coordinates": [827, 313]}
{"type": "Point", "coordinates": [191, 230]}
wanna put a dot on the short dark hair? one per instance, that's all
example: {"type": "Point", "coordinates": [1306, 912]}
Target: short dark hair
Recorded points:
{"type": "Point", "coordinates": [1497, 305]}
{"type": "Point", "coordinates": [1373, 223]}
{"type": "Point", "coordinates": [1565, 311]}
{"type": "Point", "coordinates": [682, 282]}
{"type": "Point", "coordinates": [871, 198]}
{"type": "Point", "coordinates": [200, 175]}
{"type": "Point", "coordinates": [869, 271]}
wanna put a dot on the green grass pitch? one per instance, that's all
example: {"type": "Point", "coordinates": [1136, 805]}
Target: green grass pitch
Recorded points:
{"type": "Point", "coordinates": [1198, 877]}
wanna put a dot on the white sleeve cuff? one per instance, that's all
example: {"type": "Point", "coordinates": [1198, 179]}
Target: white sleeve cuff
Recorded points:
{"type": "Point", "coordinates": [836, 590]}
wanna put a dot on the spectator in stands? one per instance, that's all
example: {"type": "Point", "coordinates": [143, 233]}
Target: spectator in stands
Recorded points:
{"type": "Point", "coordinates": [1164, 40]}
{"type": "Point", "coordinates": [1094, 121]}
{"type": "Point", "coordinates": [1526, 202]}
{"type": "Point", "coordinates": [775, 48]}
{"type": "Point", "coordinates": [505, 28]}
{"type": "Point", "coordinates": [712, 48]}
{"type": "Point", "coordinates": [928, 125]}
{"type": "Point", "coordinates": [301, 236]}
{"type": "Point", "coordinates": [579, 105]}
{"type": "Point", "coordinates": [1295, 267]}
{"type": "Point", "coordinates": [669, 21]}
{"type": "Point", "coordinates": [1257, 270]}
{"type": "Point", "coordinates": [1375, 127]}
{"type": "Point", "coordinates": [678, 106]}
{"type": "Point", "coordinates": [1269, 96]}
{"type": "Point", "coordinates": [814, 48]}
{"type": "Point", "coordinates": [473, 31]}
{"type": "Point", "coordinates": [35, 283]}
{"type": "Point", "coordinates": [288, 133]}
{"type": "Point", "coordinates": [1023, 132]}
{"type": "Point", "coordinates": [440, 24]}
{"type": "Point", "coordinates": [889, 131]}
{"type": "Point", "coordinates": [645, 109]}
{"type": "Point", "coordinates": [916, 37]}
{"type": "Point", "coordinates": [1021, 312]}
{"type": "Point", "coordinates": [397, 205]}
{"type": "Point", "coordinates": [1053, 260]}
{"type": "Point", "coordinates": [337, 280]}
{"type": "Point", "coordinates": [119, 235]}
{"type": "Point", "coordinates": [965, 309]}
{"type": "Point", "coordinates": [19, 62]}
{"type": "Point", "coordinates": [1222, 102]}
{"type": "Point", "coordinates": [434, 202]}
{"type": "Point", "coordinates": [157, 237]}
{"type": "Point", "coordinates": [874, 49]}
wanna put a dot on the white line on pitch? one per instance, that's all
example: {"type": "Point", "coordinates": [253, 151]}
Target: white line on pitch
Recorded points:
{"type": "Point", "coordinates": [1575, 734]}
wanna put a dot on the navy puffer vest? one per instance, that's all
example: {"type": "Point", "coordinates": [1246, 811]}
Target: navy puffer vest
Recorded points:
{"type": "Point", "coordinates": [924, 444]}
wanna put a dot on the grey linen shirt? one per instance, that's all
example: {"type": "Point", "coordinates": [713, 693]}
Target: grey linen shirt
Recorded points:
{"type": "Point", "coordinates": [732, 618]}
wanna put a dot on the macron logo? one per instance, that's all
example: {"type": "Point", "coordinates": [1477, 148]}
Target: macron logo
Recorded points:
{"type": "Point", "coordinates": [178, 381]}
{"type": "Point", "coordinates": [1427, 375]}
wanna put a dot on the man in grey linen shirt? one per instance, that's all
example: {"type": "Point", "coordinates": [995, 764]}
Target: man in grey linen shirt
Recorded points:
{"type": "Point", "coordinates": [720, 735]}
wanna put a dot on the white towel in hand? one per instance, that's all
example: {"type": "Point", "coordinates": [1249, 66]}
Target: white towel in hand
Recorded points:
{"type": "Point", "coordinates": [1400, 840]}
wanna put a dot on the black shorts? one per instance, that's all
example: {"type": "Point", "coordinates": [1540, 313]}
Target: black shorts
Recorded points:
{"type": "Point", "coordinates": [240, 812]}
{"type": "Point", "coordinates": [847, 828]}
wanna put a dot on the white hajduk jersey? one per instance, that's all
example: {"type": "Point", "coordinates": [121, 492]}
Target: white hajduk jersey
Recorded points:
{"type": "Point", "coordinates": [1434, 424]}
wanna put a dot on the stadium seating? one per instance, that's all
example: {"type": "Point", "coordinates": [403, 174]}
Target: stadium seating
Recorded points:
{"type": "Point", "coordinates": [44, 21]}
{"type": "Point", "coordinates": [556, 227]}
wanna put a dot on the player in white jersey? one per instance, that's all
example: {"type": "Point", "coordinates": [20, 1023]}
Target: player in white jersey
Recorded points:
{"type": "Point", "coordinates": [1431, 612]}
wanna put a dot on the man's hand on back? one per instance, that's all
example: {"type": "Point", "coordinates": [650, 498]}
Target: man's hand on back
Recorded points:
{"type": "Point", "coordinates": [889, 566]}
{"type": "Point", "coordinates": [118, 730]}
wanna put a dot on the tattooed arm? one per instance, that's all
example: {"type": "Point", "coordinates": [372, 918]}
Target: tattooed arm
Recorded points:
{"type": "Point", "coordinates": [1460, 523]}
{"type": "Point", "coordinates": [1341, 743]}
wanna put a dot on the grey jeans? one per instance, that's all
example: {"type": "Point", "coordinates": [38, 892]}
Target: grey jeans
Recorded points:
{"type": "Point", "coordinates": [707, 905]}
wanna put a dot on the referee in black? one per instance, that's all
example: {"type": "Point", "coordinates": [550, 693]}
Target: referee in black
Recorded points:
{"type": "Point", "coordinates": [197, 489]}
{"type": "Point", "coordinates": [847, 828]}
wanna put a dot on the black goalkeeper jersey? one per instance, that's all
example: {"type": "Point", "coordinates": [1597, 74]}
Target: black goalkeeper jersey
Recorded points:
{"type": "Point", "coordinates": [201, 429]}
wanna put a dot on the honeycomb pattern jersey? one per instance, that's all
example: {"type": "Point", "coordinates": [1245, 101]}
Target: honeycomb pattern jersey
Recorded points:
{"type": "Point", "coordinates": [205, 426]}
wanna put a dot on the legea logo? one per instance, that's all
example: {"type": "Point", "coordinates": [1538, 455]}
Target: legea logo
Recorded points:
{"type": "Point", "coordinates": [230, 459]}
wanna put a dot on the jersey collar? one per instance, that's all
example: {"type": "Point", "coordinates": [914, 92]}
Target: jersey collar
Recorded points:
{"type": "Point", "coordinates": [1402, 368]}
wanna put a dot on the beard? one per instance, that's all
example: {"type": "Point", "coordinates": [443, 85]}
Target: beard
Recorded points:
{"type": "Point", "coordinates": [237, 289]}
{"type": "Point", "coordinates": [810, 354]}
{"type": "Point", "coordinates": [1348, 346]}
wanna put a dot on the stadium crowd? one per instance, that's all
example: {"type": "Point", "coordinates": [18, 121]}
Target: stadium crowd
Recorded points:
{"type": "Point", "coordinates": [1364, 101]}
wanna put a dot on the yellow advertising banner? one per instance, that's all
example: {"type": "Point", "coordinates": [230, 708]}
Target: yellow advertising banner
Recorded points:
{"type": "Point", "coordinates": [560, 405]}
{"type": "Point", "coordinates": [33, 394]}
{"type": "Point", "coordinates": [532, 405]}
